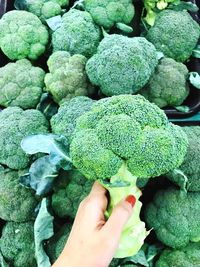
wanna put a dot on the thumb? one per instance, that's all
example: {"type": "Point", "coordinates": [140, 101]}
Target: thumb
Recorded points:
{"type": "Point", "coordinates": [120, 216]}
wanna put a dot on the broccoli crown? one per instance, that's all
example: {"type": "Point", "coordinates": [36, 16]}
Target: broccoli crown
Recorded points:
{"type": "Point", "coordinates": [64, 122]}
{"type": "Point", "coordinates": [17, 202]}
{"type": "Point", "coordinates": [122, 65]}
{"type": "Point", "coordinates": [168, 85]}
{"type": "Point", "coordinates": [188, 256]}
{"type": "Point", "coordinates": [45, 9]}
{"type": "Point", "coordinates": [17, 244]}
{"type": "Point", "coordinates": [175, 34]}
{"type": "Point", "coordinates": [190, 166]}
{"type": "Point", "coordinates": [22, 35]}
{"type": "Point", "coordinates": [126, 129]}
{"type": "Point", "coordinates": [67, 77]}
{"type": "Point", "coordinates": [108, 12]}
{"type": "Point", "coordinates": [21, 84]}
{"type": "Point", "coordinates": [15, 124]}
{"type": "Point", "coordinates": [78, 34]}
{"type": "Point", "coordinates": [175, 217]}
{"type": "Point", "coordinates": [65, 201]}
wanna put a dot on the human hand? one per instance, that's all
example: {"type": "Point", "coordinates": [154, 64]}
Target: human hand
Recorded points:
{"type": "Point", "coordinates": [93, 240]}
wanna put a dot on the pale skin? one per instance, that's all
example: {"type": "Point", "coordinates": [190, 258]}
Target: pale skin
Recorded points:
{"type": "Point", "coordinates": [93, 240]}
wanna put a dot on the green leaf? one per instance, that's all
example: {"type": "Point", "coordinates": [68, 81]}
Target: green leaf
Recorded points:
{"type": "Point", "coordinates": [47, 106]}
{"type": "Point", "coordinates": [196, 52]}
{"type": "Point", "coordinates": [189, 6]}
{"type": "Point", "coordinates": [139, 258]}
{"type": "Point", "coordinates": [54, 23]}
{"type": "Point", "coordinates": [20, 4]}
{"type": "Point", "coordinates": [124, 28]}
{"type": "Point", "coordinates": [151, 252]}
{"type": "Point", "coordinates": [2, 261]}
{"type": "Point", "coordinates": [43, 230]}
{"type": "Point", "coordinates": [194, 79]}
{"type": "Point", "coordinates": [184, 109]}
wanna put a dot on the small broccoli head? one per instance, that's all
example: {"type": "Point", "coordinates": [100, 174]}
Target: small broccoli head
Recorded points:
{"type": "Point", "coordinates": [168, 85]}
{"type": "Point", "coordinates": [122, 65]}
{"type": "Point", "coordinates": [185, 257]}
{"type": "Point", "coordinates": [175, 34]}
{"type": "Point", "coordinates": [21, 84]}
{"type": "Point", "coordinates": [126, 129]}
{"type": "Point", "coordinates": [78, 34]}
{"type": "Point", "coordinates": [190, 166]}
{"type": "Point", "coordinates": [15, 124]}
{"type": "Point", "coordinates": [107, 13]}
{"type": "Point", "coordinates": [175, 217]}
{"type": "Point", "coordinates": [22, 35]}
{"type": "Point", "coordinates": [17, 203]}
{"type": "Point", "coordinates": [67, 77]}
{"type": "Point", "coordinates": [65, 201]}
{"type": "Point", "coordinates": [17, 244]}
{"type": "Point", "coordinates": [64, 122]}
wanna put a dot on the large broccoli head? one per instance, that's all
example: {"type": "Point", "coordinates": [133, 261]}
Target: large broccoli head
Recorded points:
{"type": "Point", "coordinates": [65, 201]}
{"type": "Point", "coordinates": [44, 9]}
{"type": "Point", "coordinates": [190, 166]}
{"type": "Point", "coordinates": [17, 203]}
{"type": "Point", "coordinates": [64, 122]}
{"type": "Point", "coordinates": [107, 13]}
{"type": "Point", "coordinates": [21, 84]}
{"type": "Point", "coordinates": [122, 138]}
{"type": "Point", "coordinates": [175, 217]}
{"type": "Point", "coordinates": [168, 85]}
{"type": "Point", "coordinates": [188, 256]}
{"type": "Point", "coordinates": [67, 77]}
{"type": "Point", "coordinates": [22, 35]}
{"type": "Point", "coordinates": [122, 65]}
{"type": "Point", "coordinates": [78, 34]}
{"type": "Point", "coordinates": [175, 34]}
{"type": "Point", "coordinates": [15, 124]}
{"type": "Point", "coordinates": [17, 244]}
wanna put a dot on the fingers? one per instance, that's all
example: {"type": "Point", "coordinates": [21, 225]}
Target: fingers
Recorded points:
{"type": "Point", "coordinates": [120, 216]}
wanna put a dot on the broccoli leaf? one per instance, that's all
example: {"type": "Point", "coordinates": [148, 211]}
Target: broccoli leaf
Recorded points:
{"type": "Point", "coordinates": [189, 6]}
{"type": "Point", "coordinates": [194, 79]}
{"type": "Point", "coordinates": [2, 261]}
{"type": "Point", "coordinates": [180, 178]}
{"type": "Point", "coordinates": [124, 28]}
{"type": "Point", "coordinates": [139, 258]}
{"type": "Point", "coordinates": [20, 4]}
{"type": "Point", "coordinates": [184, 109]}
{"type": "Point", "coordinates": [43, 230]}
{"type": "Point", "coordinates": [54, 23]}
{"type": "Point", "coordinates": [47, 106]}
{"type": "Point", "coordinates": [196, 52]}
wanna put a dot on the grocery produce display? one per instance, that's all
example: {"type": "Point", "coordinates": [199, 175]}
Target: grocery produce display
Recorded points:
{"type": "Point", "coordinates": [88, 92]}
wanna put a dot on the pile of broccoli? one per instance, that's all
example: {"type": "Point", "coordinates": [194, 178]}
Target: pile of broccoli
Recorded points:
{"type": "Point", "coordinates": [82, 88]}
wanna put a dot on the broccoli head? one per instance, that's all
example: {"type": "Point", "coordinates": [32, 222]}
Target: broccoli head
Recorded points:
{"type": "Point", "coordinates": [64, 122]}
{"type": "Point", "coordinates": [175, 34]}
{"type": "Point", "coordinates": [168, 85]}
{"type": "Point", "coordinates": [17, 202]}
{"type": "Point", "coordinates": [22, 35]}
{"type": "Point", "coordinates": [65, 201]}
{"type": "Point", "coordinates": [122, 138]}
{"type": "Point", "coordinates": [44, 9]}
{"type": "Point", "coordinates": [188, 256]}
{"type": "Point", "coordinates": [122, 65]}
{"type": "Point", "coordinates": [175, 217]}
{"type": "Point", "coordinates": [21, 84]}
{"type": "Point", "coordinates": [67, 77]}
{"type": "Point", "coordinates": [15, 124]}
{"type": "Point", "coordinates": [78, 34]}
{"type": "Point", "coordinates": [107, 13]}
{"type": "Point", "coordinates": [190, 166]}
{"type": "Point", "coordinates": [17, 244]}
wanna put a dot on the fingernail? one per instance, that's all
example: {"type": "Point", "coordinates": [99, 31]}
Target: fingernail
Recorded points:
{"type": "Point", "coordinates": [131, 200]}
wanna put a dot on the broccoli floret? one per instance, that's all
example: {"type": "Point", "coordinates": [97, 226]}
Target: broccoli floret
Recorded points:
{"type": "Point", "coordinates": [122, 65]}
{"type": "Point", "coordinates": [168, 85]}
{"type": "Point", "coordinates": [107, 13]}
{"type": "Point", "coordinates": [44, 9]}
{"type": "Point", "coordinates": [67, 77]}
{"type": "Point", "coordinates": [120, 139]}
{"type": "Point", "coordinates": [175, 217]}
{"type": "Point", "coordinates": [21, 84]}
{"type": "Point", "coordinates": [15, 124]}
{"type": "Point", "coordinates": [17, 203]}
{"type": "Point", "coordinates": [175, 34]}
{"type": "Point", "coordinates": [17, 244]}
{"type": "Point", "coordinates": [78, 34]}
{"type": "Point", "coordinates": [190, 166]}
{"type": "Point", "coordinates": [188, 256]}
{"type": "Point", "coordinates": [65, 201]}
{"type": "Point", "coordinates": [22, 35]}
{"type": "Point", "coordinates": [64, 122]}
